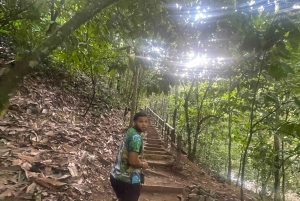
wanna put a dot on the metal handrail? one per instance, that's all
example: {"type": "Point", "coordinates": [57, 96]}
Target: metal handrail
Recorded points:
{"type": "Point", "coordinates": [168, 125]}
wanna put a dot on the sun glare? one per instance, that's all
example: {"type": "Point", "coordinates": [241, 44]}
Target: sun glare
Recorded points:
{"type": "Point", "coordinates": [199, 60]}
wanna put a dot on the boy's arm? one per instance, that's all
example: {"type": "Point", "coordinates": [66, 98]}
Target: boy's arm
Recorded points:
{"type": "Point", "coordinates": [133, 153]}
{"type": "Point", "coordinates": [134, 160]}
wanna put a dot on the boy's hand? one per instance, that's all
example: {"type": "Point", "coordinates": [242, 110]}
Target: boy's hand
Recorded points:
{"type": "Point", "coordinates": [145, 165]}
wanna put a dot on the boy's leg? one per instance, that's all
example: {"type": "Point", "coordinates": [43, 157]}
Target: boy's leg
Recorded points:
{"type": "Point", "coordinates": [117, 186]}
{"type": "Point", "coordinates": [132, 192]}
{"type": "Point", "coordinates": [125, 191]}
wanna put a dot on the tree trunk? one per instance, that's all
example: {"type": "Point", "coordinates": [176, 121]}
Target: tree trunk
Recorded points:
{"type": "Point", "coordinates": [199, 120]}
{"type": "Point", "coordinates": [187, 119]}
{"type": "Point", "coordinates": [277, 168]}
{"type": "Point", "coordinates": [9, 81]}
{"type": "Point", "coordinates": [175, 114]}
{"type": "Point", "coordinates": [283, 171]}
{"type": "Point", "coordinates": [229, 167]}
{"type": "Point", "coordinates": [135, 93]}
{"type": "Point", "coordinates": [240, 169]}
{"type": "Point", "coordinates": [140, 77]}
{"type": "Point", "coordinates": [264, 184]}
{"type": "Point", "coordinates": [251, 130]}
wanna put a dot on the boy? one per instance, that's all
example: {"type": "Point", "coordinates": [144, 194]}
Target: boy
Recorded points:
{"type": "Point", "coordinates": [125, 175]}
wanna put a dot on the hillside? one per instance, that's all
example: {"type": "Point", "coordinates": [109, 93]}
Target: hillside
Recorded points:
{"type": "Point", "coordinates": [50, 151]}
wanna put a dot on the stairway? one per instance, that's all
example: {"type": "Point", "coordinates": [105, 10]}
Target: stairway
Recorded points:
{"type": "Point", "coordinates": [160, 184]}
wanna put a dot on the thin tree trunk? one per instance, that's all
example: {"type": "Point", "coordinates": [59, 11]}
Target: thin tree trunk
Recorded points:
{"type": "Point", "coordinates": [9, 81]}
{"type": "Point", "coordinates": [283, 163]}
{"type": "Point", "coordinates": [175, 114]}
{"type": "Point", "coordinates": [251, 131]}
{"type": "Point", "coordinates": [134, 95]}
{"type": "Point", "coordinates": [199, 120]}
{"type": "Point", "coordinates": [283, 171]}
{"type": "Point", "coordinates": [240, 168]}
{"type": "Point", "coordinates": [264, 185]}
{"type": "Point", "coordinates": [93, 78]}
{"type": "Point", "coordinates": [229, 167]}
{"type": "Point", "coordinates": [140, 77]}
{"type": "Point", "coordinates": [187, 118]}
{"type": "Point", "coordinates": [277, 168]}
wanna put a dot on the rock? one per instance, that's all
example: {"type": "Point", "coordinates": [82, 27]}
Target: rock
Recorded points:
{"type": "Point", "coordinates": [202, 192]}
{"type": "Point", "coordinates": [210, 199]}
{"type": "Point", "coordinates": [192, 186]}
{"type": "Point", "coordinates": [201, 198]}
{"type": "Point", "coordinates": [192, 195]}
{"type": "Point", "coordinates": [195, 191]}
{"type": "Point", "coordinates": [194, 199]}
{"type": "Point", "coordinates": [180, 197]}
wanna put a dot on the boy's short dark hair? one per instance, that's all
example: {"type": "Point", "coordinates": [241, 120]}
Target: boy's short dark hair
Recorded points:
{"type": "Point", "coordinates": [139, 114]}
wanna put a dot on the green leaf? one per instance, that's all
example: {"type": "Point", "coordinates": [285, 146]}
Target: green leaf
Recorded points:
{"type": "Point", "coordinates": [297, 149]}
{"type": "Point", "coordinates": [112, 73]}
{"type": "Point", "coordinates": [294, 38]}
{"type": "Point", "coordinates": [280, 70]}
{"type": "Point", "coordinates": [297, 101]}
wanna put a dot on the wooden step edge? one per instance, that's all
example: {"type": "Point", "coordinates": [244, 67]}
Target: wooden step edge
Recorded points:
{"type": "Point", "coordinates": [154, 147]}
{"type": "Point", "coordinates": [162, 155]}
{"type": "Point", "coordinates": [154, 163]}
{"type": "Point", "coordinates": [157, 152]}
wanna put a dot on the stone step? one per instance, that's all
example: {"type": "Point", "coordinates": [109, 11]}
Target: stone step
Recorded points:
{"type": "Point", "coordinates": [154, 142]}
{"type": "Point", "coordinates": [153, 145]}
{"type": "Point", "coordinates": [153, 173]}
{"type": "Point", "coordinates": [153, 139]}
{"type": "Point", "coordinates": [157, 152]}
{"type": "Point", "coordinates": [162, 189]}
{"type": "Point", "coordinates": [158, 164]}
{"type": "Point", "coordinates": [153, 149]}
{"type": "Point", "coordinates": [152, 196]}
{"type": "Point", "coordinates": [154, 135]}
{"type": "Point", "coordinates": [157, 157]}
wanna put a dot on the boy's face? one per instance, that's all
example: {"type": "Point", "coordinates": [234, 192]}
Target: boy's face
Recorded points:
{"type": "Point", "coordinates": [141, 124]}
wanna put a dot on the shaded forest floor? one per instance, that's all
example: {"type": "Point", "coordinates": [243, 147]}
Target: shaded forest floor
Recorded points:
{"type": "Point", "coordinates": [50, 150]}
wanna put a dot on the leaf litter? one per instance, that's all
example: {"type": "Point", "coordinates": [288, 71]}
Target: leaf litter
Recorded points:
{"type": "Point", "coordinates": [49, 151]}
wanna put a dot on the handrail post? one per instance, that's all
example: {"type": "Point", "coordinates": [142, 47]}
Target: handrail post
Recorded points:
{"type": "Point", "coordinates": [173, 144]}
{"type": "Point", "coordinates": [173, 135]}
{"type": "Point", "coordinates": [178, 159]}
{"type": "Point", "coordinates": [166, 141]}
{"type": "Point", "coordinates": [162, 127]}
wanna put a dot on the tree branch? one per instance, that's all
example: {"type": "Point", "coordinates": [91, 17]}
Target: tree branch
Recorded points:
{"type": "Point", "coordinates": [272, 112]}
{"type": "Point", "coordinates": [10, 81]}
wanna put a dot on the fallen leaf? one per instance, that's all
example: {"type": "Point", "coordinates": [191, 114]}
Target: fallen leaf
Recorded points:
{"type": "Point", "coordinates": [24, 157]}
{"type": "Point", "coordinates": [17, 162]}
{"type": "Point", "coordinates": [26, 166]}
{"type": "Point", "coordinates": [73, 170]}
{"type": "Point", "coordinates": [31, 188]}
{"type": "Point", "coordinates": [48, 181]}
{"type": "Point", "coordinates": [82, 188]}
{"type": "Point", "coordinates": [6, 193]}
{"type": "Point", "coordinates": [3, 128]}
{"type": "Point", "coordinates": [68, 148]}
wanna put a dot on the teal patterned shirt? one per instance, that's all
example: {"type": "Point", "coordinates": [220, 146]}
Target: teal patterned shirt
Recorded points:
{"type": "Point", "coordinates": [121, 170]}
